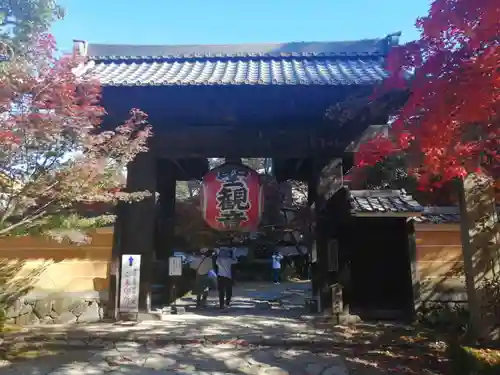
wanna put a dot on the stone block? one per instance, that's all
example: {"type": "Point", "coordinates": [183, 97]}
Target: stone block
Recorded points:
{"type": "Point", "coordinates": [33, 319]}
{"type": "Point", "coordinates": [62, 305]}
{"type": "Point", "coordinates": [78, 307]}
{"type": "Point", "coordinates": [25, 308]}
{"type": "Point", "coordinates": [13, 310]}
{"type": "Point", "coordinates": [47, 320]}
{"type": "Point", "coordinates": [56, 308]}
{"type": "Point", "coordinates": [90, 314]}
{"type": "Point", "coordinates": [43, 308]}
{"type": "Point", "coordinates": [26, 315]}
{"type": "Point", "coordinates": [178, 310]}
{"type": "Point", "coordinates": [66, 317]}
{"type": "Point", "coordinates": [159, 362]}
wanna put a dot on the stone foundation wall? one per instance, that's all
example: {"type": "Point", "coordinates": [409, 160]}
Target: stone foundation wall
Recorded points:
{"type": "Point", "coordinates": [49, 282]}
{"type": "Point", "coordinates": [58, 308]}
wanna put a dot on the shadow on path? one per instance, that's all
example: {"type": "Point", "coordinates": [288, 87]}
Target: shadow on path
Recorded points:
{"type": "Point", "coordinates": [240, 340]}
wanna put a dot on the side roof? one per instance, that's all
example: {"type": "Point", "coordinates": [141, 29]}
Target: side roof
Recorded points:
{"type": "Point", "coordinates": [442, 215]}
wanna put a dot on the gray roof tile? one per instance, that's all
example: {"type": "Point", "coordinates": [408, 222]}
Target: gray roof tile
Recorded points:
{"type": "Point", "coordinates": [441, 215]}
{"type": "Point", "coordinates": [383, 201]}
{"type": "Point", "coordinates": [438, 219]}
{"type": "Point", "coordinates": [293, 71]}
{"type": "Point", "coordinates": [314, 63]}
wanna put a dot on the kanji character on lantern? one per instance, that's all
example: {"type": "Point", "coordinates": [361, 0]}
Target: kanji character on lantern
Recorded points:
{"type": "Point", "coordinates": [232, 198]}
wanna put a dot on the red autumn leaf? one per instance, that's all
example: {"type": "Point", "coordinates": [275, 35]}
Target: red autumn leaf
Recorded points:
{"type": "Point", "coordinates": [54, 156]}
{"type": "Point", "coordinates": [450, 125]}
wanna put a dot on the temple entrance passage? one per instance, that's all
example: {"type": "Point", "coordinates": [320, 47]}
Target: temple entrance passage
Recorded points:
{"type": "Point", "coordinates": [250, 297]}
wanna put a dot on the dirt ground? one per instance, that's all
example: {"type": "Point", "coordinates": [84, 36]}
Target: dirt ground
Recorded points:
{"type": "Point", "coordinates": [381, 348]}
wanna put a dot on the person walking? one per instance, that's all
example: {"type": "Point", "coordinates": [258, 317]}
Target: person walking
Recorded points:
{"type": "Point", "coordinates": [202, 263]}
{"type": "Point", "coordinates": [276, 262]}
{"type": "Point", "coordinates": [225, 260]}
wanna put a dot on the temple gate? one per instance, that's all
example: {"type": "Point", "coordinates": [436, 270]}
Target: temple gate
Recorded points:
{"type": "Point", "coordinates": [248, 100]}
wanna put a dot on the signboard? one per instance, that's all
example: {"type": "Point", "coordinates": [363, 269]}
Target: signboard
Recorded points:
{"type": "Point", "coordinates": [337, 304]}
{"type": "Point", "coordinates": [130, 282]}
{"type": "Point", "coordinates": [174, 266]}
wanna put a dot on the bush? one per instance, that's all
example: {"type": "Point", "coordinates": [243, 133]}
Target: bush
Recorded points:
{"type": "Point", "coordinates": [451, 319]}
{"type": "Point", "coordinates": [490, 293]}
{"type": "Point", "coordinates": [467, 360]}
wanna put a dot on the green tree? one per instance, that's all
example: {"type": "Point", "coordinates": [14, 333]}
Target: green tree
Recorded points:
{"type": "Point", "coordinates": [21, 21]}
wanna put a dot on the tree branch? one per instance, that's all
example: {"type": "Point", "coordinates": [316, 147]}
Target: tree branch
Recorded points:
{"type": "Point", "coordinates": [25, 221]}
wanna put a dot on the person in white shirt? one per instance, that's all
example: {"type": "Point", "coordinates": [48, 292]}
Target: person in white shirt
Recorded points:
{"type": "Point", "coordinates": [225, 260]}
{"type": "Point", "coordinates": [202, 264]}
{"type": "Point", "coordinates": [276, 261]}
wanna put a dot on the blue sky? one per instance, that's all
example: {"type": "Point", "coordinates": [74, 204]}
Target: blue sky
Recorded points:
{"type": "Point", "coordinates": [233, 21]}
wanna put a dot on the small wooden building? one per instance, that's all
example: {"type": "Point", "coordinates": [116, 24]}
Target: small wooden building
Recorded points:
{"type": "Point", "coordinates": [371, 232]}
{"type": "Point", "coordinates": [401, 255]}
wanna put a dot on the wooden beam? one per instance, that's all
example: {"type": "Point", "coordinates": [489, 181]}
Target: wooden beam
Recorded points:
{"type": "Point", "coordinates": [199, 142]}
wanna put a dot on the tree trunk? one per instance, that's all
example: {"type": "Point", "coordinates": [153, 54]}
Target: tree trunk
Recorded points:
{"type": "Point", "coordinates": [481, 251]}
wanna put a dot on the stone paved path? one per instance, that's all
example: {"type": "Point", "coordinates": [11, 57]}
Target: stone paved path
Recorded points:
{"type": "Point", "coordinates": [149, 359]}
{"type": "Point", "coordinates": [262, 333]}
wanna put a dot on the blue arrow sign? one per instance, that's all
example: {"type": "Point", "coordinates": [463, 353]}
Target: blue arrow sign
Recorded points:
{"type": "Point", "coordinates": [130, 261]}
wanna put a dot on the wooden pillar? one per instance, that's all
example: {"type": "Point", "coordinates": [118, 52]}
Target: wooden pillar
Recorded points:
{"type": "Point", "coordinates": [323, 279]}
{"type": "Point", "coordinates": [167, 188]}
{"type": "Point", "coordinates": [137, 222]}
{"type": "Point", "coordinates": [114, 283]}
{"type": "Point", "coordinates": [166, 221]}
{"type": "Point", "coordinates": [320, 282]}
{"type": "Point", "coordinates": [345, 244]}
{"type": "Point", "coordinates": [311, 201]}
{"type": "Point", "coordinates": [415, 278]}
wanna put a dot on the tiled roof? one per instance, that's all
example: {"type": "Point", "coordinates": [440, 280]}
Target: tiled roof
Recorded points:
{"type": "Point", "coordinates": [441, 215]}
{"type": "Point", "coordinates": [438, 218]}
{"type": "Point", "coordinates": [383, 202]}
{"type": "Point", "coordinates": [315, 63]}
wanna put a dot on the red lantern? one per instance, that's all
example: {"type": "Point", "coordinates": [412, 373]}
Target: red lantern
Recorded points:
{"type": "Point", "coordinates": [231, 198]}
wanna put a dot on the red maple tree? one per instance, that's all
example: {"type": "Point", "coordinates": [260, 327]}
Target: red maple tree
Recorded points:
{"type": "Point", "coordinates": [449, 128]}
{"type": "Point", "coordinates": [54, 155]}
{"type": "Point", "coordinates": [450, 125]}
